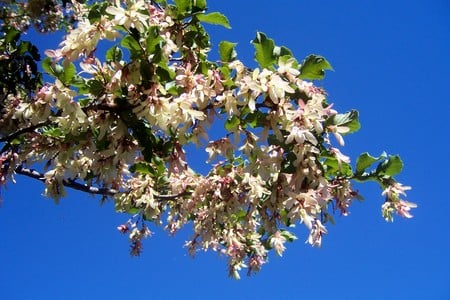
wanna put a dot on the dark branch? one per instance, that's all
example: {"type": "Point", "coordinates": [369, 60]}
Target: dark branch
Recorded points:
{"type": "Point", "coordinates": [12, 136]}
{"type": "Point", "coordinates": [68, 183]}
{"type": "Point", "coordinates": [86, 188]}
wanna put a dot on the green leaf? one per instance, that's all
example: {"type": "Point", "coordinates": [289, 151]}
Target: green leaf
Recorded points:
{"type": "Point", "coordinates": [165, 73]}
{"type": "Point", "coordinates": [78, 81]}
{"type": "Point", "coordinates": [232, 124]}
{"type": "Point", "coordinates": [54, 132]}
{"type": "Point", "coordinates": [183, 6]}
{"type": "Point", "coordinates": [51, 67]}
{"type": "Point", "coordinates": [153, 39]}
{"type": "Point", "coordinates": [133, 210]}
{"type": "Point", "coordinates": [214, 18]}
{"type": "Point", "coordinates": [349, 119]}
{"type": "Point", "coordinates": [84, 102]}
{"type": "Point", "coordinates": [256, 119]}
{"type": "Point", "coordinates": [365, 160]}
{"type": "Point", "coordinates": [28, 48]}
{"type": "Point", "coordinates": [313, 67]}
{"type": "Point", "coordinates": [289, 236]}
{"type": "Point", "coordinates": [97, 11]}
{"type": "Point", "coordinates": [282, 51]}
{"type": "Point", "coordinates": [198, 5]}
{"type": "Point", "coordinates": [390, 167]}
{"type": "Point", "coordinates": [264, 48]}
{"type": "Point", "coordinates": [114, 54]}
{"type": "Point", "coordinates": [130, 43]}
{"type": "Point", "coordinates": [12, 35]}
{"type": "Point", "coordinates": [95, 87]}
{"type": "Point", "coordinates": [69, 71]}
{"type": "Point", "coordinates": [333, 166]}
{"type": "Point", "coordinates": [227, 51]}
{"type": "Point", "coordinates": [142, 168]}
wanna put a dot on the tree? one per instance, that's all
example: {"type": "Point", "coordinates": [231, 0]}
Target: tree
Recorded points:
{"type": "Point", "coordinates": [131, 87]}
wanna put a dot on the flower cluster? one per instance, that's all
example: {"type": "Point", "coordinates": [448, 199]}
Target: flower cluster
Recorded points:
{"type": "Point", "coordinates": [119, 122]}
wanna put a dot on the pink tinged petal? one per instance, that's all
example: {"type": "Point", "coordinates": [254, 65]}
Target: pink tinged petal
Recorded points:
{"type": "Point", "coordinates": [339, 138]}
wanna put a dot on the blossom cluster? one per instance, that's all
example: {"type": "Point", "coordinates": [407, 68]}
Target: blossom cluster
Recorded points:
{"type": "Point", "coordinates": [122, 123]}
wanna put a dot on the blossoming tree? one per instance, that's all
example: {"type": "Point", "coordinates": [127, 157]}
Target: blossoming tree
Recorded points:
{"type": "Point", "coordinates": [131, 87]}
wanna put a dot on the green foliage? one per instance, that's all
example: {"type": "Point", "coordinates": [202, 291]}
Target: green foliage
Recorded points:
{"type": "Point", "coordinates": [264, 50]}
{"type": "Point", "coordinates": [65, 72]}
{"type": "Point", "coordinates": [227, 51]}
{"type": "Point", "coordinates": [214, 18]}
{"type": "Point", "coordinates": [114, 54]}
{"type": "Point", "coordinates": [349, 120]}
{"type": "Point", "coordinates": [120, 128]}
{"type": "Point", "coordinates": [313, 67]}
{"type": "Point", "coordinates": [18, 66]}
{"type": "Point", "coordinates": [387, 167]}
{"type": "Point", "coordinates": [232, 124]}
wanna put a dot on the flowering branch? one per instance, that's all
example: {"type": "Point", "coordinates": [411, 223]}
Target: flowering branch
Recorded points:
{"type": "Point", "coordinates": [125, 122]}
{"type": "Point", "coordinates": [88, 188]}
{"type": "Point", "coordinates": [19, 132]}
{"type": "Point", "coordinates": [68, 183]}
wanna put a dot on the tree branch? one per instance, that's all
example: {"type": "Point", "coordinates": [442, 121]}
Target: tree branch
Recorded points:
{"type": "Point", "coordinates": [68, 183]}
{"type": "Point", "coordinates": [87, 188]}
{"type": "Point", "coordinates": [22, 131]}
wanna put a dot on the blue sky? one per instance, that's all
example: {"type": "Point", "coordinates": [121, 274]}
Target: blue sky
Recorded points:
{"type": "Point", "coordinates": [391, 63]}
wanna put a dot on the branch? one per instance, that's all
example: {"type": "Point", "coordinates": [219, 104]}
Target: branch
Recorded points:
{"type": "Point", "coordinates": [22, 131]}
{"type": "Point", "coordinates": [68, 183]}
{"type": "Point", "coordinates": [87, 188]}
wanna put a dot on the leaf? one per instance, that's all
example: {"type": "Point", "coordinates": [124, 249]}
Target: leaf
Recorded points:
{"type": "Point", "coordinates": [54, 132]}
{"type": "Point", "coordinates": [349, 119]}
{"type": "Point", "coordinates": [256, 119]}
{"type": "Point", "coordinates": [313, 67]}
{"type": "Point", "coordinates": [232, 124]}
{"type": "Point", "coordinates": [333, 167]}
{"type": "Point", "coordinates": [282, 51]}
{"type": "Point", "coordinates": [183, 6]}
{"type": "Point", "coordinates": [78, 81]}
{"type": "Point", "coordinates": [130, 43]}
{"type": "Point", "coordinates": [390, 167]}
{"type": "Point", "coordinates": [51, 67]}
{"type": "Point", "coordinates": [12, 35]}
{"type": "Point", "coordinates": [97, 11]}
{"type": "Point", "coordinates": [95, 87]}
{"type": "Point", "coordinates": [84, 102]}
{"type": "Point", "coordinates": [94, 15]}
{"type": "Point", "coordinates": [365, 160]}
{"type": "Point", "coordinates": [227, 51]}
{"type": "Point", "coordinates": [214, 18]}
{"type": "Point", "coordinates": [165, 73]}
{"type": "Point", "coordinates": [69, 71]}
{"type": "Point", "coordinates": [153, 39]}
{"type": "Point", "coordinates": [264, 48]}
{"type": "Point", "coordinates": [142, 168]}
{"type": "Point", "coordinates": [289, 236]}
{"type": "Point", "coordinates": [114, 54]}
{"type": "Point", "coordinates": [198, 5]}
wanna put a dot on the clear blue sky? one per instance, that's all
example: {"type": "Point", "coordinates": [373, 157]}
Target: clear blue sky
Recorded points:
{"type": "Point", "coordinates": [391, 61]}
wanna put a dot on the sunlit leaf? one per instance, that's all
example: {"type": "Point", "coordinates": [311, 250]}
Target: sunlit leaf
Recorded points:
{"type": "Point", "coordinates": [227, 51]}
{"type": "Point", "coordinates": [390, 167]}
{"type": "Point", "coordinates": [313, 67]}
{"type": "Point", "coordinates": [349, 119]}
{"type": "Point", "coordinates": [114, 54]}
{"type": "Point", "coordinates": [365, 160]}
{"type": "Point", "coordinates": [264, 50]}
{"type": "Point", "coordinates": [214, 18]}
